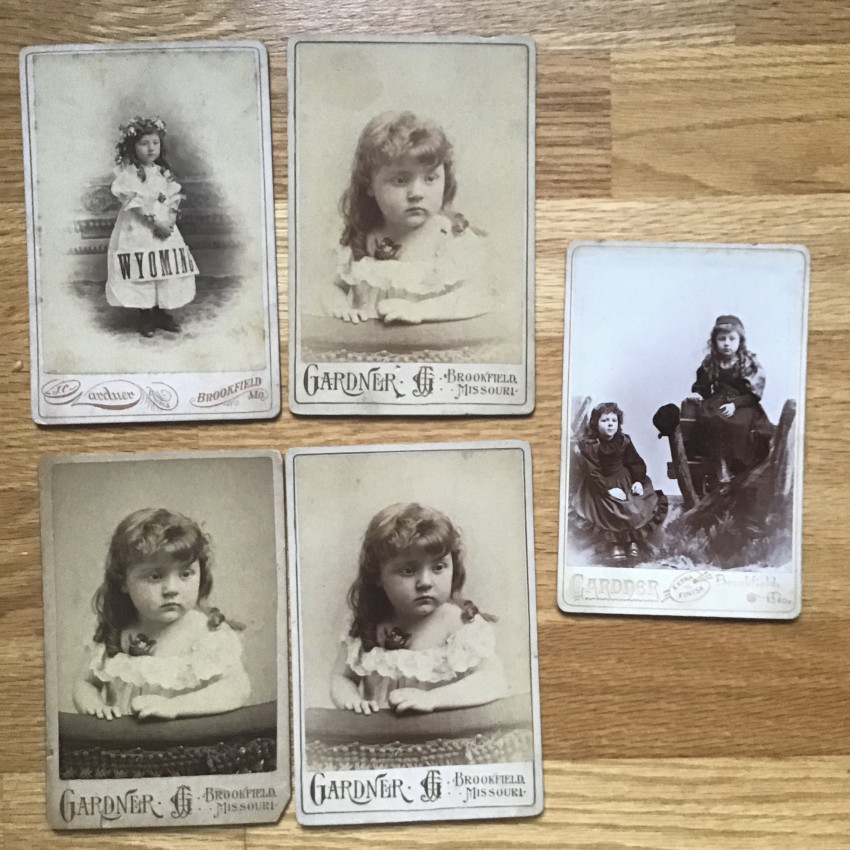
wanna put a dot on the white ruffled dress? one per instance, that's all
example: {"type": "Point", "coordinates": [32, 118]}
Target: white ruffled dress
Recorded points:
{"type": "Point", "coordinates": [453, 256]}
{"type": "Point", "coordinates": [384, 670]}
{"type": "Point", "coordinates": [144, 270]}
{"type": "Point", "coordinates": [214, 654]}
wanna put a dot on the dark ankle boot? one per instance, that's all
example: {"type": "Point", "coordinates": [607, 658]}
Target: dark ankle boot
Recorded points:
{"type": "Point", "coordinates": [165, 321]}
{"type": "Point", "coordinates": [147, 326]}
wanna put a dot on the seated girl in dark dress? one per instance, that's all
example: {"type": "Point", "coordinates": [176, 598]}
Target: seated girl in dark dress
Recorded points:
{"type": "Point", "coordinates": [732, 428]}
{"type": "Point", "coordinates": [613, 499]}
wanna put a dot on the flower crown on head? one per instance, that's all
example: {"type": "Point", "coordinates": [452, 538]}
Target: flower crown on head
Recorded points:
{"type": "Point", "coordinates": [140, 126]}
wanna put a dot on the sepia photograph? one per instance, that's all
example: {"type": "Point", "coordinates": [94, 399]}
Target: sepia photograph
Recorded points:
{"type": "Point", "coordinates": [151, 231]}
{"type": "Point", "coordinates": [684, 392]}
{"type": "Point", "coordinates": [412, 587]}
{"type": "Point", "coordinates": [165, 666]}
{"type": "Point", "coordinates": [411, 224]}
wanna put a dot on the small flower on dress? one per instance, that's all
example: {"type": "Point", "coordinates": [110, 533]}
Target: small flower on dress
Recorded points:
{"type": "Point", "coordinates": [386, 249]}
{"type": "Point", "coordinates": [141, 644]}
{"type": "Point", "coordinates": [459, 223]}
{"type": "Point", "coordinates": [396, 638]}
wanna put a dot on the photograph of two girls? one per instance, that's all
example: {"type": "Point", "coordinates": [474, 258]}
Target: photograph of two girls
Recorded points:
{"type": "Point", "coordinates": [684, 380]}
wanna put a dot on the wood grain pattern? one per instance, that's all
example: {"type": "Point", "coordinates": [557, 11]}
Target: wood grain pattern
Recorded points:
{"type": "Point", "coordinates": [717, 120]}
{"type": "Point", "coordinates": [574, 124]}
{"type": "Point", "coordinates": [755, 121]}
{"type": "Point", "coordinates": [787, 22]}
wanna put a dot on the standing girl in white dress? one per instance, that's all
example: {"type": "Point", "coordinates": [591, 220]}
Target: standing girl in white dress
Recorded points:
{"type": "Point", "coordinates": [159, 649]}
{"type": "Point", "coordinates": [151, 269]}
{"type": "Point", "coordinates": [414, 643]}
{"type": "Point", "coordinates": [406, 255]}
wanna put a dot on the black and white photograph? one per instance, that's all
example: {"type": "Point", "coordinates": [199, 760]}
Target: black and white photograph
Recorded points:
{"type": "Point", "coordinates": [411, 219]}
{"type": "Point", "coordinates": [153, 290]}
{"type": "Point", "coordinates": [415, 688]}
{"type": "Point", "coordinates": [165, 654]}
{"type": "Point", "coordinates": [682, 431]}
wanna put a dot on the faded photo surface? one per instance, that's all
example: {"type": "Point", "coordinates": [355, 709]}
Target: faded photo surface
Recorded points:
{"type": "Point", "coordinates": [411, 217]}
{"type": "Point", "coordinates": [96, 249]}
{"type": "Point", "coordinates": [366, 106]}
{"type": "Point", "coordinates": [415, 643]}
{"type": "Point", "coordinates": [161, 622]}
{"type": "Point", "coordinates": [683, 424]}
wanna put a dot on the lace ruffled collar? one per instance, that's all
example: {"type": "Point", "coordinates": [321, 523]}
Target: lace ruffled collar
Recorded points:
{"type": "Point", "coordinates": [207, 659]}
{"type": "Point", "coordinates": [464, 650]}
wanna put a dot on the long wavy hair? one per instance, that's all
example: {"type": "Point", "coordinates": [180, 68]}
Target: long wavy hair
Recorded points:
{"type": "Point", "coordinates": [744, 358]}
{"type": "Point", "coordinates": [392, 531]}
{"type": "Point", "coordinates": [125, 150]}
{"type": "Point", "coordinates": [592, 430]}
{"type": "Point", "coordinates": [386, 138]}
{"type": "Point", "coordinates": [138, 537]}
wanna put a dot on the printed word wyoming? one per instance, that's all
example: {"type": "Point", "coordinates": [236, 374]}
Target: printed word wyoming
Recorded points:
{"type": "Point", "coordinates": [149, 265]}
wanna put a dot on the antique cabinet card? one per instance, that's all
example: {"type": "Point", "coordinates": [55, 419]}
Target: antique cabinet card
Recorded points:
{"type": "Point", "coordinates": [411, 225]}
{"type": "Point", "coordinates": [414, 633]}
{"type": "Point", "coordinates": [682, 429]}
{"type": "Point", "coordinates": [165, 645]}
{"type": "Point", "coordinates": [150, 231]}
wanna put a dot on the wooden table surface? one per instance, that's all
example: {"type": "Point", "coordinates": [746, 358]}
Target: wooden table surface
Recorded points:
{"type": "Point", "coordinates": [717, 120]}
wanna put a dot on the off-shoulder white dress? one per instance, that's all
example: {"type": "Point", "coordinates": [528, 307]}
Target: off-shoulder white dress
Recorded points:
{"type": "Point", "coordinates": [213, 654]}
{"type": "Point", "coordinates": [383, 670]}
{"type": "Point", "coordinates": [451, 256]}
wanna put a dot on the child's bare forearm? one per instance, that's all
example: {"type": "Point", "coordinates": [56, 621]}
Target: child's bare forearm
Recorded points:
{"type": "Point", "coordinates": [224, 695]}
{"type": "Point", "coordinates": [335, 300]}
{"type": "Point", "coordinates": [343, 690]}
{"type": "Point", "coordinates": [86, 696]}
{"type": "Point", "coordinates": [466, 302]}
{"type": "Point", "coordinates": [477, 689]}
